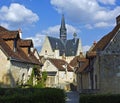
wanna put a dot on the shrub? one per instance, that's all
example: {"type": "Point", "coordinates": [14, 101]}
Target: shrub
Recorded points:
{"type": "Point", "coordinates": [100, 98]}
{"type": "Point", "coordinates": [32, 95]}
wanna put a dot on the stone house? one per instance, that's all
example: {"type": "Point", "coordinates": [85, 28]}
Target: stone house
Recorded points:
{"type": "Point", "coordinates": [17, 59]}
{"type": "Point", "coordinates": [79, 63]}
{"type": "Point", "coordinates": [59, 73]}
{"type": "Point", "coordinates": [103, 67]}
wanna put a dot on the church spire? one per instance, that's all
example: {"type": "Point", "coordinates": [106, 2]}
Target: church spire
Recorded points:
{"type": "Point", "coordinates": [63, 30]}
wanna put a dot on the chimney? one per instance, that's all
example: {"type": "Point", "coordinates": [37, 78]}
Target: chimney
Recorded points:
{"type": "Point", "coordinates": [57, 54]}
{"type": "Point", "coordinates": [118, 20]}
{"type": "Point", "coordinates": [94, 43]}
{"type": "Point", "coordinates": [81, 55]}
{"type": "Point", "coordinates": [20, 33]}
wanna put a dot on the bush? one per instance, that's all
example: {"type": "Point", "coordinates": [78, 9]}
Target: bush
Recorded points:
{"type": "Point", "coordinates": [32, 95]}
{"type": "Point", "coordinates": [101, 98]}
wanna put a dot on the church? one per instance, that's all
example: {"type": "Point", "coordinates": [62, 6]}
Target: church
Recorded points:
{"type": "Point", "coordinates": [61, 48]}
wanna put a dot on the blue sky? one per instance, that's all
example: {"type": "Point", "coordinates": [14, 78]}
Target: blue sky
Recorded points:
{"type": "Point", "coordinates": [90, 19]}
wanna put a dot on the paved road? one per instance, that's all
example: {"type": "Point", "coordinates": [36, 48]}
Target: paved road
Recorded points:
{"type": "Point", "coordinates": [72, 97]}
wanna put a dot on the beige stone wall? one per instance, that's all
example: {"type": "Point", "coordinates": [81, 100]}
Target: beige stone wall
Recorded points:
{"type": "Point", "coordinates": [60, 79]}
{"type": "Point", "coordinates": [20, 72]}
{"type": "Point", "coordinates": [46, 49]}
{"type": "Point", "coordinates": [80, 49]}
{"type": "Point", "coordinates": [4, 68]}
{"type": "Point", "coordinates": [70, 77]}
{"type": "Point", "coordinates": [13, 72]}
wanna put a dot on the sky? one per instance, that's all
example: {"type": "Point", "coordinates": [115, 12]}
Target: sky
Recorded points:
{"type": "Point", "coordinates": [90, 19]}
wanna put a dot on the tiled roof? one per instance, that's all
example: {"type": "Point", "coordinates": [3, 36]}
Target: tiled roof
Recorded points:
{"type": "Point", "coordinates": [103, 42]}
{"type": "Point", "coordinates": [9, 34]}
{"type": "Point", "coordinates": [3, 29]}
{"type": "Point", "coordinates": [83, 66]}
{"type": "Point", "coordinates": [79, 61]}
{"type": "Point", "coordinates": [25, 43]}
{"type": "Point", "coordinates": [19, 54]}
{"type": "Point", "coordinates": [60, 64]}
{"type": "Point", "coordinates": [75, 60]}
{"type": "Point", "coordinates": [106, 39]}
{"type": "Point", "coordinates": [69, 48]}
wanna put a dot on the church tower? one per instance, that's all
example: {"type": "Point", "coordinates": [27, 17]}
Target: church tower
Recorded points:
{"type": "Point", "coordinates": [63, 30]}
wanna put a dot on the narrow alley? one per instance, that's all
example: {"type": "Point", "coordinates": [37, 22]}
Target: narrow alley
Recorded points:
{"type": "Point", "coordinates": [72, 97]}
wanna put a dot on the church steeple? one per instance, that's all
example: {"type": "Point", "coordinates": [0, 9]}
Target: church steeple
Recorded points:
{"type": "Point", "coordinates": [63, 30]}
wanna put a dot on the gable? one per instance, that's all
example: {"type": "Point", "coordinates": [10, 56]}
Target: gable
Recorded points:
{"type": "Point", "coordinates": [46, 48]}
{"type": "Point", "coordinates": [49, 67]}
{"type": "Point", "coordinates": [114, 44]}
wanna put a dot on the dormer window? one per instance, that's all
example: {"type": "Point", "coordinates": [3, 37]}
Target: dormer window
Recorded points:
{"type": "Point", "coordinates": [29, 50]}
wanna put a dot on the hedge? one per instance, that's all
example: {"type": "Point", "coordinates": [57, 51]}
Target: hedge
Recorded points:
{"type": "Point", "coordinates": [99, 98]}
{"type": "Point", "coordinates": [30, 95]}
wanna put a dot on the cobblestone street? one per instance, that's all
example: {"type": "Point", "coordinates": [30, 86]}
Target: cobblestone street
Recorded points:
{"type": "Point", "coordinates": [72, 97]}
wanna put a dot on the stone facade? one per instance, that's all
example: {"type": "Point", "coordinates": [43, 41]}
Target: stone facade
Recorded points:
{"type": "Point", "coordinates": [56, 77]}
{"type": "Point", "coordinates": [102, 75]}
{"type": "Point", "coordinates": [46, 50]}
{"type": "Point", "coordinates": [16, 59]}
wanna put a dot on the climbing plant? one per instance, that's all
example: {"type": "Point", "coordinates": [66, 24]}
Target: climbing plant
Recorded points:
{"type": "Point", "coordinates": [41, 82]}
{"type": "Point", "coordinates": [38, 76]}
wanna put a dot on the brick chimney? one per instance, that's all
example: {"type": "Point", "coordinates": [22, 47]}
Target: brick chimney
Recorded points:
{"type": "Point", "coordinates": [94, 43]}
{"type": "Point", "coordinates": [118, 20]}
{"type": "Point", "coordinates": [20, 33]}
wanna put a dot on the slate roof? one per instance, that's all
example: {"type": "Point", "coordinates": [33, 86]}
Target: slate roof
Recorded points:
{"type": "Point", "coordinates": [69, 48]}
{"type": "Point", "coordinates": [56, 44]}
{"type": "Point", "coordinates": [60, 64]}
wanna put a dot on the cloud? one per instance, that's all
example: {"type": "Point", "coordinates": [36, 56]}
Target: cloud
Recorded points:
{"type": "Point", "coordinates": [109, 2]}
{"type": "Point", "coordinates": [38, 40]}
{"type": "Point", "coordinates": [17, 14]}
{"type": "Point", "coordinates": [86, 48]}
{"type": "Point", "coordinates": [102, 24]}
{"type": "Point", "coordinates": [51, 31]}
{"type": "Point", "coordinates": [6, 25]}
{"type": "Point", "coordinates": [55, 30]}
{"type": "Point", "coordinates": [86, 12]}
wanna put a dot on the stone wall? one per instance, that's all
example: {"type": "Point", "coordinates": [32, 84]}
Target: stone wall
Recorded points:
{"type": "Point", "coordinates": [4, 68]}
{"type": "Point", "coordinates": [110, 73]}
{"type": "Point", "coordinates": [13, 72]}
{"type": "Point", "coordinates": [46, 49]}
{"type": "Point", "coordinates": [20, 72]}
